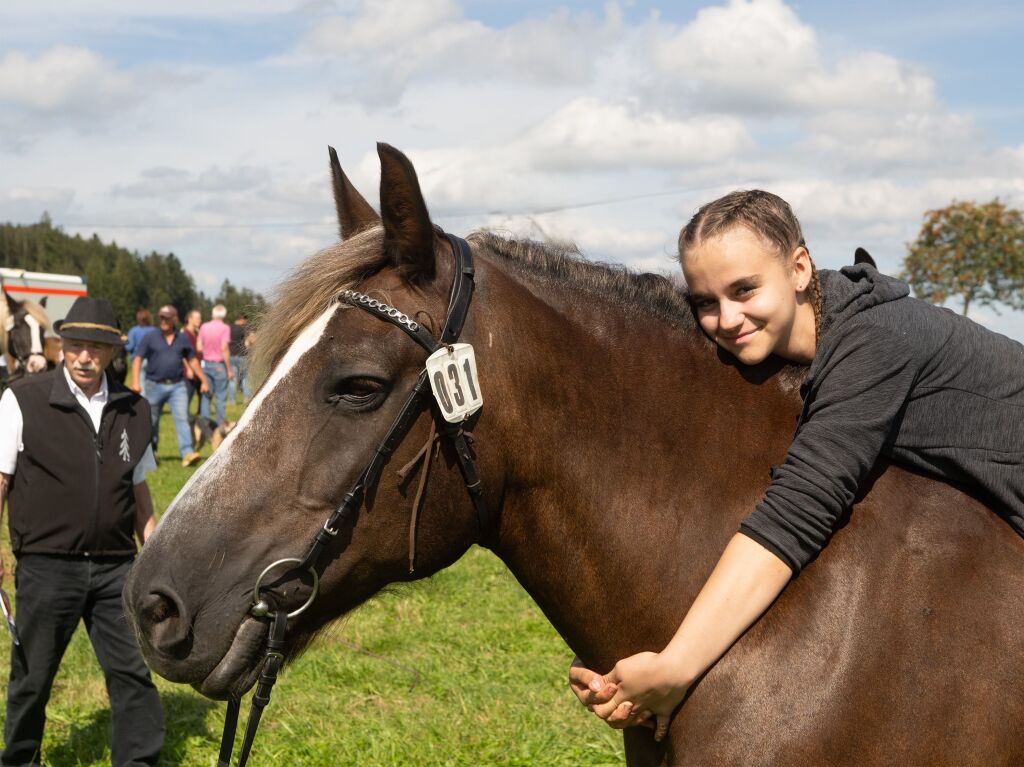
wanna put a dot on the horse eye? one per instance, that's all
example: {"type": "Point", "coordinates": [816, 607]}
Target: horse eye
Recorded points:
{"type": "Point", "coordinates": [357, 392]}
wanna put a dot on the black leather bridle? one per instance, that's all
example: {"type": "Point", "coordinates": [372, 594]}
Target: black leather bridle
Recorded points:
{"type": "Point", "coordinates": [420, 398]}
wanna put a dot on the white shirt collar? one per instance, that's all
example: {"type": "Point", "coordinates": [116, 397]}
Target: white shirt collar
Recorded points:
{"type": "Point", "coordinates": [100, 396]}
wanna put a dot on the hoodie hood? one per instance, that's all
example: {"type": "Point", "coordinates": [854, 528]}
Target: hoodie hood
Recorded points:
{"type": "Point", "coordinates": [853, 289]}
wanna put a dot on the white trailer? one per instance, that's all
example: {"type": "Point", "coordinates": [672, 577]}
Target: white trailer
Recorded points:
{"type": "Point", "coordinates": [59, 290]}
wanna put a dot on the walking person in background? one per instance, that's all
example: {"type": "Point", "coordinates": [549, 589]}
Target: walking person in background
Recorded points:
{"type": "Point", "coordinates": [240, 359]}
{"type": "Point", "coordinates": [74, 454]}
{"type": "Point", "coordinates": [192, 322]}
{"type": "Point", "coordinates": [214, 346]}
{"type": "Point", "coordinates": [143, 325]}
{"type": "Point", "coordinates": [163, 352]}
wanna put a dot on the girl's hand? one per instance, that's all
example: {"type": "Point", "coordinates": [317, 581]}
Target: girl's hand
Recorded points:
{"type": "Point", "coordinates": [649, 685]}
{"type": "Point", "coordinates": [589, 686]}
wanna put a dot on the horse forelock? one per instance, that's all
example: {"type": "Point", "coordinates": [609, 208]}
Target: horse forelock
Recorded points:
{"type": "Point", "coordinates": [307, 293]}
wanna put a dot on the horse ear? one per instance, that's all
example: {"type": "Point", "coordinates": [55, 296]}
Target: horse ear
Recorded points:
{"type": "Point", "coordinates": [354, 212]}
{"type": "Point", "coordinates": [861, 256]}
{"type": "Point", "coordinates": [408, 233]}
{"type": "Point", "coordinates": [12, 305]}
{"type": "Point", "coordinates": [42, 301]}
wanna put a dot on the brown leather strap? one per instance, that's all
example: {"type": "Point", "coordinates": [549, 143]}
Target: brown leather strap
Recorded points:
{"type": "Point", "coordinates": [426, 456]}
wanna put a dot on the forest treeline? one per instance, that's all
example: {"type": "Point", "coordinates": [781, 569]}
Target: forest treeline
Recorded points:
{"type": "Point", "coordinates": [127, 279]}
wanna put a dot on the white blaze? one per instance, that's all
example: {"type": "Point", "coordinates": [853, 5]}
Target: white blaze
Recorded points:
{"type": "Point", "coordinates": [211, 469]}
{"type": "Point", "coordinates": [36, 334]}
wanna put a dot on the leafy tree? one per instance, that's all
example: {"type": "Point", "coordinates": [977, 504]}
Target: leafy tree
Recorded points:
{"type": "Point", "coordinates": [240, 301]}
{"type": "Point", "coordinates": [971, 251]}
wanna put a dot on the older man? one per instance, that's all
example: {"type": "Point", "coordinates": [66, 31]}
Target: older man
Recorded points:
{"type": "Point", "coordinates": [74, 453]}
{"type": "Point", "coordinates": [164, 352]}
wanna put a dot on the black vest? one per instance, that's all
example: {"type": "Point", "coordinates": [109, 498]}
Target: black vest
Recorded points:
{"type": "Point", "coordinates": [72, 491]}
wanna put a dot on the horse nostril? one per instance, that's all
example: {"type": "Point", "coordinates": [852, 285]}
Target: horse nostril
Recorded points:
{"type": "Point", "coordinates": [165, 623]}
{"type": "Point", "coordinates": [156, 608]}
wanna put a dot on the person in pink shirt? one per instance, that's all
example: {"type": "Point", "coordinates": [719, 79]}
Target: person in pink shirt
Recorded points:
{"type": "Point", "coordinates": [213, 345]}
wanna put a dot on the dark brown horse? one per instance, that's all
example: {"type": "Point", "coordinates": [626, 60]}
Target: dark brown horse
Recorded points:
{"type": "Point", "coordinates": [618, 454]}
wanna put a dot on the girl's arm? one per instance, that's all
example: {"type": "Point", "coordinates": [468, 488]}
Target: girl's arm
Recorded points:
{"type": "Point", "coordinates": [744, 583]}
{"type": "Point", "coordinates": [862, 383]}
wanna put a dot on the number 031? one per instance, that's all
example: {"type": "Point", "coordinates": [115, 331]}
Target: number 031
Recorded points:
{"type": "Point", "coordinates": [454, 381]}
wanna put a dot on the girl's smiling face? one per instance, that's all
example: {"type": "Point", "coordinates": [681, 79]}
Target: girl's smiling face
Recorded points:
{"type": "Point", "coordinates": [749, 299]}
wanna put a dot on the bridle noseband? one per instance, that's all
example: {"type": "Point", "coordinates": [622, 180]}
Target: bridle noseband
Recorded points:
{"type": "Point", "coordinates": [419, 399]}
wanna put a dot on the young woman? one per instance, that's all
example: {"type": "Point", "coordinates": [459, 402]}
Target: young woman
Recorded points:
{"type": "Point", "coordinates": [888, 376]}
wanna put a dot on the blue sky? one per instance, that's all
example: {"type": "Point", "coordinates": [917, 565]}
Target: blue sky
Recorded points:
{"type": "Point", "coordinates": [201, 127]}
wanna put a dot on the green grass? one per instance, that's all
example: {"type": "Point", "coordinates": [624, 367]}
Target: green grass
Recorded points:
{"type": "Point", "coordinates": [461, 669]}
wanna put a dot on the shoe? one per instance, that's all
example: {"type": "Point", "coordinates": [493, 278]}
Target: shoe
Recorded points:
{"type": "Point", "coordinates": [191, 459]}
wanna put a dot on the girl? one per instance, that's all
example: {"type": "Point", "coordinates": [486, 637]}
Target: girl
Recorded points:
{"type": "Point", "coordinates": [889, 376]}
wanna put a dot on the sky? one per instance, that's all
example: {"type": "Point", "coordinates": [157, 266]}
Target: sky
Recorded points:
{"type": "Point", "coordinates": [201, 127]}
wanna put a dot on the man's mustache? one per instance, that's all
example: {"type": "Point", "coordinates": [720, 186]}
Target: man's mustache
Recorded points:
{"type": "Point", "coordinates": [86, 368]}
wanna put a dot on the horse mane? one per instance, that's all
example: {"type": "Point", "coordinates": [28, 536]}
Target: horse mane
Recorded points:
{"type": "Point", "coordinates": [311, 287]}
{"type": "Point", "coordinates": [643, 292]}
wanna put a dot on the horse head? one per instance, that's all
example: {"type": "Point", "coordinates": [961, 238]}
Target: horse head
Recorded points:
{"type": "Point", "coordinates": [24, 335]}
{"type": "Point", "coordinates": [337, 379]}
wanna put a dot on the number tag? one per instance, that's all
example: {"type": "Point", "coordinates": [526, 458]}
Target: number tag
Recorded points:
{"type": "Point", "coordinates": [454, 382]}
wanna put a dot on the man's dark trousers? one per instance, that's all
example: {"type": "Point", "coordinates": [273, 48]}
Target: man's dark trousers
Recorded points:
{"type": "Point", "coordinates": [53, 594]}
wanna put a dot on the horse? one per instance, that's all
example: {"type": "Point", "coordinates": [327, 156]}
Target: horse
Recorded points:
{"type": "Point", "coordinates": [23, 337]}
{"type": "Point", "coordinates": [617, 452]}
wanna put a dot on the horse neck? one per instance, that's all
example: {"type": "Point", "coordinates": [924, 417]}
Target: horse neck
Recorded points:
{"type": "Point", "coordinates": [629, 453]}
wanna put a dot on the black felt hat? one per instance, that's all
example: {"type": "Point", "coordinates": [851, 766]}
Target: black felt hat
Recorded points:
{"type": "Point", "coordinates": [90, 319]}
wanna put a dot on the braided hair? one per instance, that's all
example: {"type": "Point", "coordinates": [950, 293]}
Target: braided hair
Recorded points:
{"type": "Point", "coordinates": [765, 214]}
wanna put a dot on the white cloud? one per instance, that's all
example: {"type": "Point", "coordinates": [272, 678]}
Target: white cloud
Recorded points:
{"type": "Point", "coordinates": [853, 140]}
{"type": "Point", "coordinates": [167, 182]}
{"type": "Point", "coordinates": [756, 56]}
{"type": "Point", "coordinates": [66, 80]}
{"type": "Point", "coordinates": [19, 204]}
{"type": "Point", "coordinates": [589, 133]}
{"type": "Point", "coordinates": [396, 41]}
{"type": "Point", "coordinates": [155, 8]}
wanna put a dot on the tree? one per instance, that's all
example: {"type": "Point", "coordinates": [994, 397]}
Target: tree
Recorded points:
{"type": "Point", "coordinates": [971, 251]}
{"type": "Point", "coordinates": [240, 301]}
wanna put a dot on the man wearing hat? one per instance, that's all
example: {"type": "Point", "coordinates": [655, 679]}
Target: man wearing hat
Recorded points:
{"type": "Point", "coordinates": [74, 454]}
{"type": "Point", "coordinates": [164, 352]}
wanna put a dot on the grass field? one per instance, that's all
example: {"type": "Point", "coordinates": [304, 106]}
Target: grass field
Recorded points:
{"type": "Point", "coordinates": [461, 669]}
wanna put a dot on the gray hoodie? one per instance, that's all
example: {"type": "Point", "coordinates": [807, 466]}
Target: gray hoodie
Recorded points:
{"type": "Point", "coordinates": [898, 378]}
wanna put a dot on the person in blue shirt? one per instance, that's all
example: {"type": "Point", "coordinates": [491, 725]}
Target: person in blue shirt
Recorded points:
{"type": "Point", "coordinates": [163, 352]}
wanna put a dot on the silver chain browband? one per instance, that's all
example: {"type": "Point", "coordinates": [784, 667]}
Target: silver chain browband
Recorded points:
{"type": "Point", "coordinates": [354, 297]}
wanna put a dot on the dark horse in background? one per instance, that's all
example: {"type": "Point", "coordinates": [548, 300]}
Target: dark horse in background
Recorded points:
{"type": "Point", "coordinates": [23, 341]}
{"type": "Point", "coordinates": [618, 453]}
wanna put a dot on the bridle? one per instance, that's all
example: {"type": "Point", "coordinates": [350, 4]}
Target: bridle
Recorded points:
{"type": "Point", "coordinates": [418, 400]}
